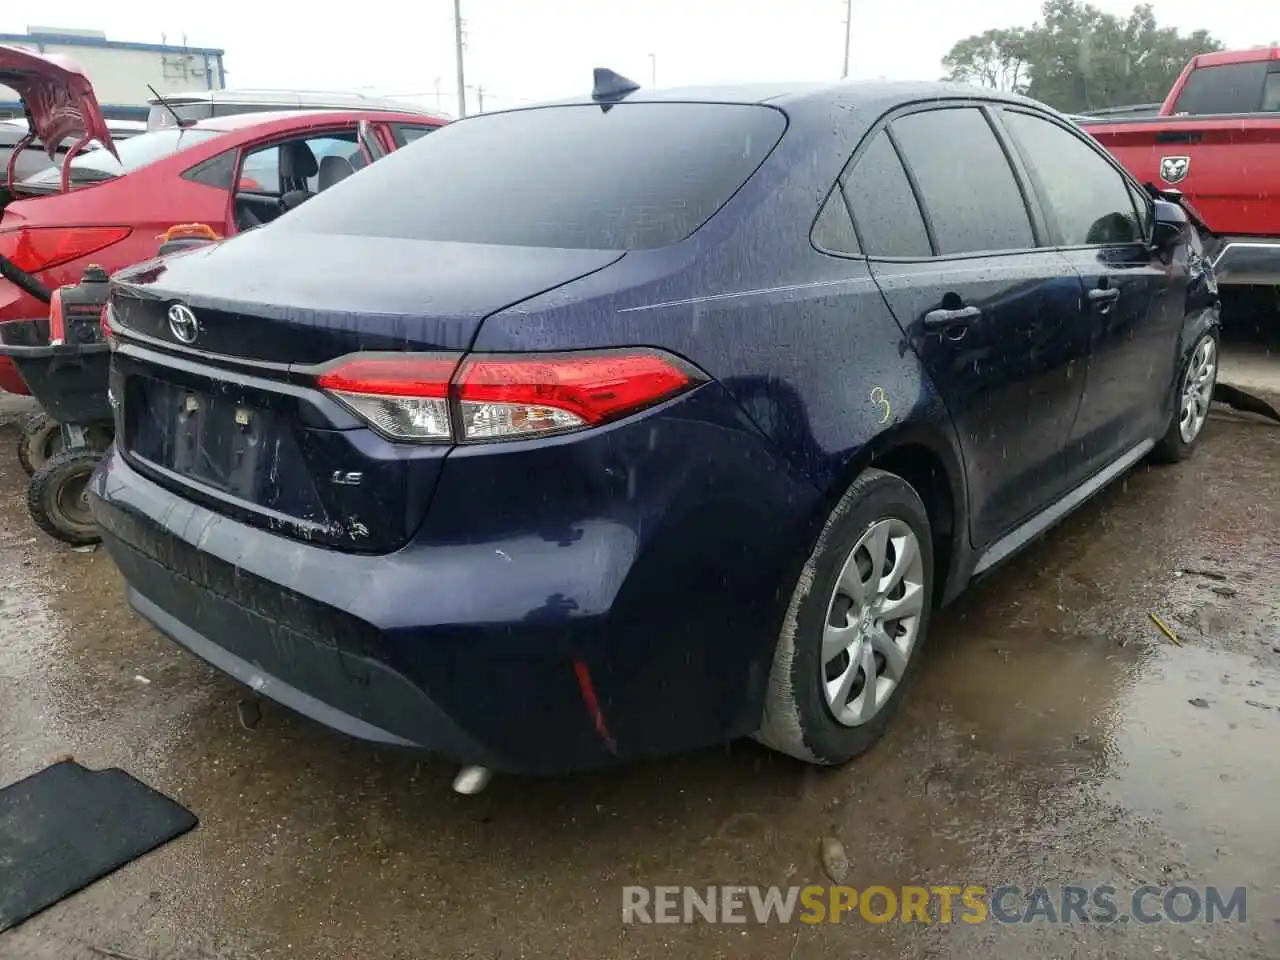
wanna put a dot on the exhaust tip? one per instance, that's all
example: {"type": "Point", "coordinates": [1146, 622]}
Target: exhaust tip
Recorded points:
{"type": "Point", "coordinates": [472, 780]}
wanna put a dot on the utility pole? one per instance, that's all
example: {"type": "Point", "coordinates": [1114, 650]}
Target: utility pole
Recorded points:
{"type": "Point", "coordinates": [849, 31]}
{"type": "Point", "coordinates": [480, 99]}
{"type": "Point", "coordinates": [457, 35]}
{"type": "Point", "coordinates": [653, 69]}
{"type": "Point", "coordinates": [439, 105]}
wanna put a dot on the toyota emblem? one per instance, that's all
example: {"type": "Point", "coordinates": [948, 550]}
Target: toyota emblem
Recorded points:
{"type": "Point", "coordinates": [183, 323]}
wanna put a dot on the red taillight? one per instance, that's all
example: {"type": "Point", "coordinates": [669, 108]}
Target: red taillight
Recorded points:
{"type": "Point", "coordinates": [403, 396]}
{"type": "Point", "coordinates": [511, 396]}
{"type": "Point", "coordinates": [38, 248]}
{"type": "Point", "coordinates": [499, 396]}
{"type": "Point", "coordinates": [57, 325]}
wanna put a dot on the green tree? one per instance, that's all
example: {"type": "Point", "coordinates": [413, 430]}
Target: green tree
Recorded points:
{"type": "Point", "coordinates": [999, 59]}
{"type": "Point", "coordinates": [1077, 58]}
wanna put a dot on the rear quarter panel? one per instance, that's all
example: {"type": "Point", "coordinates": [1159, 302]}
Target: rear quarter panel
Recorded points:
{"type": "Point", "coordinates": [810, 368]}
{"type": "Point", "coordinates": [802, 340]}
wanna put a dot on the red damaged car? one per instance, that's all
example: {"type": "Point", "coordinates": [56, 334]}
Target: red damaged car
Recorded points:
{"type": "Point", "coordinates": [112, 205]}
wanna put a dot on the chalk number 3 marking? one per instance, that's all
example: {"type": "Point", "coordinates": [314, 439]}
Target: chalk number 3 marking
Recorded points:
{"type": "Point", "coordinates": [880, 400]}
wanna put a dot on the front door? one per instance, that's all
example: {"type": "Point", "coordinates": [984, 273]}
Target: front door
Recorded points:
{"type": "Point", "coordinates": [990, 313]}
{"type": "Point", "coordinates": [1133, 303]}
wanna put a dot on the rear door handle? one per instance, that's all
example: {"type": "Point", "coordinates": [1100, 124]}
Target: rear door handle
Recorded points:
{"type": "Point", "coordinates": [1104, 295]}
{"type": "Point", "coordinates": [941, 319]}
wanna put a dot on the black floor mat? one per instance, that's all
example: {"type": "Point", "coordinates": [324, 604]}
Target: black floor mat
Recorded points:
{"type": "Point", "coordinates": [65, 827]}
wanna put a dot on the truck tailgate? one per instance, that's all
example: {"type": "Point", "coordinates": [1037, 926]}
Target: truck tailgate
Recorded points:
{"type": "Point", "coordinates": [1233, 172]}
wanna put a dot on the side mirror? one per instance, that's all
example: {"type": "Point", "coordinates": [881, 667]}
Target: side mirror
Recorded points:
{"type": "Point", "coordinates": [1169, 223]}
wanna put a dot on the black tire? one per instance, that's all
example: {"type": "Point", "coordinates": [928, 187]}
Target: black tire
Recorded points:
{"type": "Point", "coordinates": [797, 719]}
{"type": "Point", "coordinates": [1172, 447]}
{"type": "Point", "coordinates": [57, 497]}
{"type": "Point", "coordinates": [40, 439]}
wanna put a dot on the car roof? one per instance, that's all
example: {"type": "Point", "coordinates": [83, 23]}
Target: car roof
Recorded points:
{"type": "Point", "coordinates": [284, 119]}
{"type": "Point", "coordinates": [337, 99]}
{"type": "Point", "coordinates": [856, 93]}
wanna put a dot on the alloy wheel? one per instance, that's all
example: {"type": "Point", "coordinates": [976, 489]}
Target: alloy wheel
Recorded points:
{"type": "Point", "coordinates": [1197, 390]}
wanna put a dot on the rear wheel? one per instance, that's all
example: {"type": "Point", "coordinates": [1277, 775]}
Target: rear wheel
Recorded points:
{"type": "Point", "coordinates": [40, 439]}
{"type": "Point", "coordinates": [852, 635]}
{"type": "Point", "coordinates": [1199, 375]}
{"type": "Point", "coordinates": [58, 497]}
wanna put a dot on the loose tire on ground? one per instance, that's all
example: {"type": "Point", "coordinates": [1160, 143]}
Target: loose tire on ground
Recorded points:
{"type": "Point", "coordinates": [800, 717]}
{"type": "Point", "coordinates": [57, 497]}
{"type": "Point", "coordinates": [1196, 380]}
{"type": "Point", "coordinates": [40, 439]}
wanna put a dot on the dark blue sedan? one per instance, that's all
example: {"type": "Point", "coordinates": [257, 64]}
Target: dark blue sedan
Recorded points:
{"type": "Point", "coordinates": [611, 428]}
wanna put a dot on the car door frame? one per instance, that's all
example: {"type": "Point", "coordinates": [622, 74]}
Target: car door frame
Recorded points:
{"type": "Point", "coordinates": [1041, 235]}
{"type": "Point", "coordinates": [321, 130]}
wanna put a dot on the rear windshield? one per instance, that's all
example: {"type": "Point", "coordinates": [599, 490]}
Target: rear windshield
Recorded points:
{"type": "Point", "coordinates": [632, 177]}
{"type": "Point", "coordinates": [1229, 88]}
{"type": "Point", "coordinates": [135, 152]}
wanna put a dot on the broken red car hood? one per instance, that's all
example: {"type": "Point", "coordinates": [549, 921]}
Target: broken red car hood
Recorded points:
{"type": "Point", "coordinates": [58, 96]}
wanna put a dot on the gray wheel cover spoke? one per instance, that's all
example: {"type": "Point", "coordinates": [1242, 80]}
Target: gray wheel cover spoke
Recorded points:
{"type": "Point", "coordinates": [873, 621]}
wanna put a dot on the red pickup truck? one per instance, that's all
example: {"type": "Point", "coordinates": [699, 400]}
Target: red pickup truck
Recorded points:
{"type": "Point", "coordinates": [1217, 140]}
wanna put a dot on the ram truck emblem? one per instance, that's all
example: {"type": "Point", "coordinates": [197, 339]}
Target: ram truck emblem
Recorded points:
{"type": "Point", "coordinates": [1174, 169]}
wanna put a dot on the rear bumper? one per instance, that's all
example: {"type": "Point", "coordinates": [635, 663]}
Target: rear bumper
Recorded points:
{"type": "Point", "coordinates": [472, 645]}
{"type": "Point", "coordinates": [324, 645]}
{"type": "Point", "coordinates": [1248, 262]}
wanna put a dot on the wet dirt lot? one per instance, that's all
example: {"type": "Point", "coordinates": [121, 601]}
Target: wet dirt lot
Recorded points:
{"type": "Point", "coordinates": [1050, 740]}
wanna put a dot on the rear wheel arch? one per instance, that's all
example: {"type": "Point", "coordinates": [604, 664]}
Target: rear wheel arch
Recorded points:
{"type": "Point", "coordinates": [931, 465]}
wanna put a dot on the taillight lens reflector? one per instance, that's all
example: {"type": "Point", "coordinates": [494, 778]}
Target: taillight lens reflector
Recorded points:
{"type": "Point", "coordinates": [497, 397]}
{"type": "Point", "coordinates": [515, 396]}
{"type": "Point", "coordinates": [402, 396]}
{"type": "Point", "coordinates": [39, 248]}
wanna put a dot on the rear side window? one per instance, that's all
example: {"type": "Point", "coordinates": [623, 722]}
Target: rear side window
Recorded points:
{"type": "Point", "coordinates": [632, 177]}
{"type": "Point", "coordinates": [833, 230]}
{"type": "Point", "coordinates": [217, 171]}
{"type": "Point", "coordinates": [405, 133]}
{"type": "Point", "coordinates": [884, 208]}
{"type": "Point", "coordinates": [1088, 198]}
{"type": "Point", "coordinates": [966, 184]}
{"type": "Point", "coordinates": [1230, 88]}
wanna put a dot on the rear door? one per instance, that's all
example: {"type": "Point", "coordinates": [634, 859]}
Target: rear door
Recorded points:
{"type": "Point", "coordinates": [955, 248]}
{"type": "Point", "coordinates": [1133, 303]}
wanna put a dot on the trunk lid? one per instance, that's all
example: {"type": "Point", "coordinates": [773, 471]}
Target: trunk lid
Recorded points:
{"type": "Point", "coordinates": [226, 412]}
{"type": "Point", "coordinates": [58, 98]}
{"type": "Point", "coordinates": [1229, 168]}
{"type": "Point", "coordinates": [333, 295]}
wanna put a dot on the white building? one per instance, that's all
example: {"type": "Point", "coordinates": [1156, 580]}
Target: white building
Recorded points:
{"type": "Point", "coordinates": [121, 70]}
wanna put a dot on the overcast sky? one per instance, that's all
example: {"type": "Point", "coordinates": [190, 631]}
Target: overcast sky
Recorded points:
{"type": "Point", "coordinates": [524, 50]}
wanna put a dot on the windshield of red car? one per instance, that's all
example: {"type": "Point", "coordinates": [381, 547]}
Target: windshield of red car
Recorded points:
{"type": "Point", "coordinates": [135, 153]}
